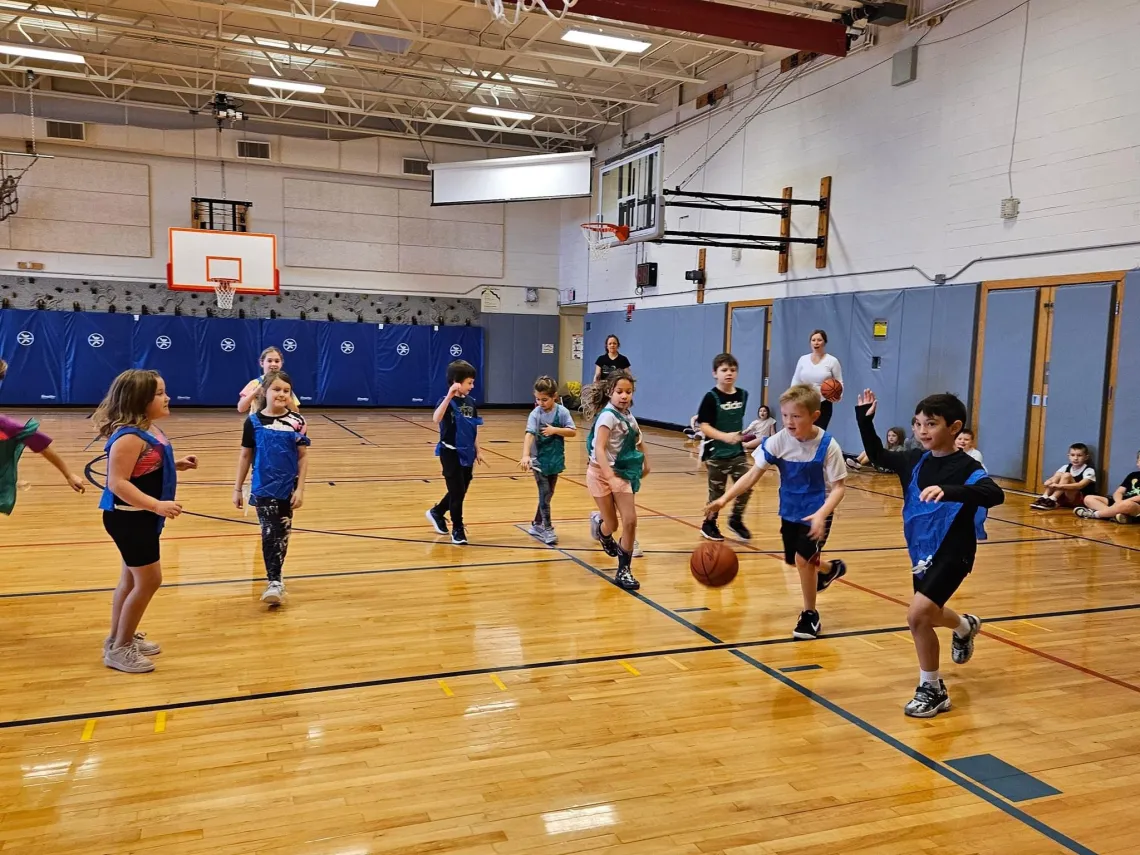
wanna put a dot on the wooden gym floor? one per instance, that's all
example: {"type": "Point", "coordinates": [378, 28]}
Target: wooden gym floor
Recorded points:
{"type": "Point", "coordinates": [416, 697]}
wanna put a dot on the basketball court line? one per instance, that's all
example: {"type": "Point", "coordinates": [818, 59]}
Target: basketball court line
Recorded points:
{"type": "Point", "coordinates": [717, 645]}
{"type": "Point", "coordinates": [930, 763]}
{"type": "Point", "coordinates": [247, 580]}
{"type": "Point", "coordinates": [350, 430]}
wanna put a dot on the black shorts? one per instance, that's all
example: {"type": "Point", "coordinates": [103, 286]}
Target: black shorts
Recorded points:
{"type": "Point", "coordinates": [943, 577]}
{"type": "Point", "coordinates": [136, 534]}
{"type": "Point", "coordinates": [797, 541]}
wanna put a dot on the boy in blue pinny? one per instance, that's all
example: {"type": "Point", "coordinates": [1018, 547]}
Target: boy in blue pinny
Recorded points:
{"type": "Point", "coordinates": [812, 475]}
{"type": "Point", "coordinates": [946, 494]}
{"type": "Point", "coordinates": [458, 448]}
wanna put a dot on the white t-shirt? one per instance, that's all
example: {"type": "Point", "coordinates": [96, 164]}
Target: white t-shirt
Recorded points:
{"type": "Point", "coordinates": [618, 430]}
{"type": "Point", "coordinates": [974, 453]}
{"type": "Point", "coordinates": [1079, 473]}
{"type": "Point", "coordinates": [814, 374]}
{"type": "Point", "coordinates": [787, 447]}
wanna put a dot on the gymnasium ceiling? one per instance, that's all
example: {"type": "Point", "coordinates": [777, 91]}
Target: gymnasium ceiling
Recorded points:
{"type": "Point", "coordinates": [399, 68]}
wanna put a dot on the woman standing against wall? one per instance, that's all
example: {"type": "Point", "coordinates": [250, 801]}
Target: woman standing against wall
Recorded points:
{"type": "Point", "coordinates": [610, 361]}
{"type": "Point", "coordinates": [815, 367]}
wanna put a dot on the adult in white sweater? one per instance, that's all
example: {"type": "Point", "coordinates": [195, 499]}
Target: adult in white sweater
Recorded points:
{"type": "Point", "coordinates": [815, 367]}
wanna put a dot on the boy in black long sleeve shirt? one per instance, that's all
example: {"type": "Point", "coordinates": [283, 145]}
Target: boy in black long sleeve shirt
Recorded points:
{"type": "Point", "coordinates": [945, 494]}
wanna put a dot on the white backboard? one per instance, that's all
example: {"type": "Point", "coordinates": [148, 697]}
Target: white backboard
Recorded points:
{"type": "Point", "coordinates": [199, 255]}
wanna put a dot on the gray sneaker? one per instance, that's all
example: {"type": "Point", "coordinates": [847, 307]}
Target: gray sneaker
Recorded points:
{"type": "Point", "coordinates": [274, 594]}
{"type": "Point", "coordinates": [549, 536]}
{"type": "Point", "coordinates": [127, 659]}
{"type": "Point", "coordinates": [596, 526]}
{"type": "Point", "coordinates": [146, 648]}
{"type": "Point", "coordinates": [537, 531]}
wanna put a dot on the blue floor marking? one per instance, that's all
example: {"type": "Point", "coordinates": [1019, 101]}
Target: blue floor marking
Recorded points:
{"type": "Point", "coordinates": [791, 669]}
{"type": "Point", "coordinates": [1006, 780]}
{"type": "Point", "coordinates": [929, 762]}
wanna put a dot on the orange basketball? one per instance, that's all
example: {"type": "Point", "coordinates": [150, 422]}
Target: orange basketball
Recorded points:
{"type": "Point", "coordinates": [713, 564]}
{"type": "Point", "coordinates": [831, 389]}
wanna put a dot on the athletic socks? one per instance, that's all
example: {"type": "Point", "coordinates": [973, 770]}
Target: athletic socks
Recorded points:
{"type": "Point", "coordinates": [930, 677]}
{"type": "Point", "coordinates": [963, 628]}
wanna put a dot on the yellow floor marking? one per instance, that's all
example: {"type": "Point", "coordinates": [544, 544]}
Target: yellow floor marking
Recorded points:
{"type": "Point", "coordinates": [495, 679]}
{"type": "Point", "coordinates": [1002, 629]}
{"type": "Point", "coordinates": [160, 722]}
{"type": "Point", "coordinates": [676, 664]}
{"type": "Point", "coordinates": [871, 643]}
{"type": "Point", "coordinates": [629, 668]}
{"type": "Point", "coordinates": [88, 730]}
{"type": "Point", "coordinates": [1031, 623]}
{"type": "Point", "coordinates": [446, 689]}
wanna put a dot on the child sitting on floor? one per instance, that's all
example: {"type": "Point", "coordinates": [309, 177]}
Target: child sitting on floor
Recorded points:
{"type": "Point", "coordinates": [1071, 484]}
{"type": "Point", "coordinates": [1124, 506]}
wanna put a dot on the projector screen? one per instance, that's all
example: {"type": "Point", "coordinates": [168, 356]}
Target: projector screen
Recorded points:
{"type": "Point", "coordinates": [512, 179]}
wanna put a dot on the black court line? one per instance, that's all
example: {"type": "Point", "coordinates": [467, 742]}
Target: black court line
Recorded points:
{"type": "Point", "coordinates": [350, 430]}
{"type": "Point", "coordinates": [198, 583]}
{"type": "Point", "coordinates": [530, 666]}
{"type": "Point", "coordinates": [868, 728]}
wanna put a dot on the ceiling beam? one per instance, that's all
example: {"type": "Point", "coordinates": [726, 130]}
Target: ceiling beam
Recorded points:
{"type": "Point", "coordinates": [720, 19]}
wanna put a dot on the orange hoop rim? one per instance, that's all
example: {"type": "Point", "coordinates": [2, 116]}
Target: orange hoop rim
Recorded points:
{"type": "Point", "coordinates": [620, 232]}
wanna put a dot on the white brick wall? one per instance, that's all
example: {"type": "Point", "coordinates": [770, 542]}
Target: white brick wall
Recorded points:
{"type": "Point", "coordinates": [920, 170]}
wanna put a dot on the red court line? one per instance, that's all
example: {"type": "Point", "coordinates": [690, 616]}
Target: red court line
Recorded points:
{"type": "Point", "coordinates": [1057, 659]}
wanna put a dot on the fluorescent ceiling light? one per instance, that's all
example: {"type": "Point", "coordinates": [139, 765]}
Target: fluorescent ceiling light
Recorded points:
{"type": "Point", "coordinates": [359, 2]}
{"type": "Point", "coordinates": [287, 85]}
{"type": "Point", "coordinates": [584, 37]}
{"type": "Point", "coordinates": [41, 53]}
{"type": "Point", "coordinates": [502, 114]}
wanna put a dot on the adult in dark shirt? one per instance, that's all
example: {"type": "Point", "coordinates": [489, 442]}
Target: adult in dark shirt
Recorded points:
{"type": "Point", "coordinates": [610, 361]}
{"type": "Point", "coordinates": [938, 481]}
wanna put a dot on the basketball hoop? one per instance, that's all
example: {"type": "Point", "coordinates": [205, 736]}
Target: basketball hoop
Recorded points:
{"type": "Point", "coordinates": [224, 290]}
{"type": "Point", "coordinates": [597, 237]}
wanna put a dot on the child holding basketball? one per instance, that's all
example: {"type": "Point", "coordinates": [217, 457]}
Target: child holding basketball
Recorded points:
{"type": "Point", "coordinates": [274, 443]}
{"type": "Point", "coordinates": [812, 475]}
{"type": "Point", "coordinates": [458, 448]}
{"type": "Point", "coordinates": [14, 437]}
{"type": "Point", "coordinates": [136, 503]}
{"type": "Point", "coordinates": [946, 495]}
{"type": "Point", "coordinates": [617, 464]}
{"type": "Point", "coordinates": [544, 451]}
{"type": "Point", "coordinates": [721, 417]}
{"type": "Point", "coordinates": [270, 360]}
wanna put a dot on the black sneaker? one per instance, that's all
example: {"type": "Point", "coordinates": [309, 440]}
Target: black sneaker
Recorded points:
{"type": "Point", "coordinates": [928, 701]}
{"type": "Point", "coordinates": [711, 531]}
{"type": "Point", "coordinates": [459, 536]}
{"type": "Point", "coordinates": [437, 520]}
{"type": "Point", "coordinates": [1043, 503]}
{"type": "Point", "coordinates": [807, 627]}
{"type": "Point", "coordinates": [625, 579]}
{"type": "Point", "coordinates": [609, 545]}
{"type": "Point", "coordinates": [823, 580]}
{"type": "Point", "coordinates": [961, 649]}
{"type": "Point", "coordinates": [736, 526]}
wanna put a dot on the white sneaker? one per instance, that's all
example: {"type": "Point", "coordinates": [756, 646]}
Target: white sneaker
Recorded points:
{"type": "Point", "coordinates": [536, 531]}
{"type": "Point", "coordinates": [274, 594]}
{"type": "Point", "coordinates": [637, 553]}
{"type": "Point", "coordinates": [596, 526]}
{"type": "Point", "coordinates": [146, 648]}
{"type": "Point", "coordinates": [127, 659]}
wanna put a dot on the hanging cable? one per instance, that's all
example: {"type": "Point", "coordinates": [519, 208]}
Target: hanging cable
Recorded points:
{"type": "Point", "coordinates": [1017, 103]}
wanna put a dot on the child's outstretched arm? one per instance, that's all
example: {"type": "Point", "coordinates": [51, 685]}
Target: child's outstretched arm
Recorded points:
{"type": "Point", "coordinates": [983, 494]}
{"type": "Point", "coordinates": [58, 462]}
{"type": "Point", "coordinates": [743, 485]}
{"type": "Point", "coordinates": [528, 443]}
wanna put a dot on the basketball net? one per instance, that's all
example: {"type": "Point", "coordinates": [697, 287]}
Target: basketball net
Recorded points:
{"type": "Point", "coordinates": [601, 236]}
{"type": "Point", "coordinates": [499, 9]}
{"type": "Point", "coordinates": [224, 291]}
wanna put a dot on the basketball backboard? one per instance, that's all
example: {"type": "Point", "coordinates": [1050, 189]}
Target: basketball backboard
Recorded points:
{"type": "Point", "coordinates": [630, 193]}
{"type": "Point", "coordinates": [198, 256]}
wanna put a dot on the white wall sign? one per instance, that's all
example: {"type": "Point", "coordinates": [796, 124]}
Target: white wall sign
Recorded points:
{"type": "Point", "coordinates": [548, 348]}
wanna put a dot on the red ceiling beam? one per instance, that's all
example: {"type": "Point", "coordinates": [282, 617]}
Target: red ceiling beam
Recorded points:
{"type": "Point", "coordinates": [728, 22]}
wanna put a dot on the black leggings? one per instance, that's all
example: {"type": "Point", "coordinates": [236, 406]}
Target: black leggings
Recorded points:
{"type": "Point", "coordinates": [276, 517]}
{"type": "Point", "coordinates": [825, 408]}
{"type": "Point", "coordinates": [546, 485]}
{"type": "Point", "coordinates": [458, 479]}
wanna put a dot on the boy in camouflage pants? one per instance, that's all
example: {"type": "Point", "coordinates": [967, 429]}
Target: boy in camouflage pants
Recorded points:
{"type": "Point", "coordinates": [721, 417]}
